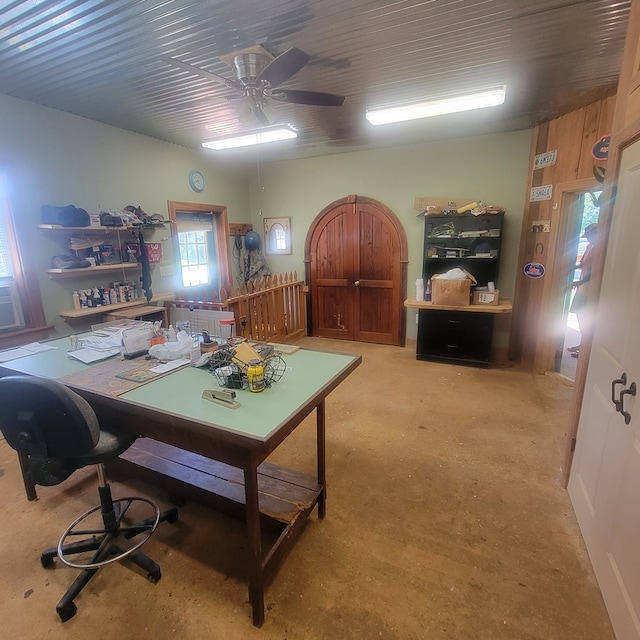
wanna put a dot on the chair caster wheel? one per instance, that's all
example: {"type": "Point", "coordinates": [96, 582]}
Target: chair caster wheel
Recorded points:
{"type": "Point", "coordinates": [46, 561]}
{"type": "Point", "coordinates": [172, 516]}
{"type": "Point", "coordinates": [67, 612]}
{"type": "Point", "coordinates": [154, 578]}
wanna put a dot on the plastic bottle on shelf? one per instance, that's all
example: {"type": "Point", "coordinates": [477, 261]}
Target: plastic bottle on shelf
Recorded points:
{"type": "Point", "coordinates": [172, 334]}
{"type": "Point", "coordinates": [76, 300]}
{"type": "Point", "coordinates": [427, 292]}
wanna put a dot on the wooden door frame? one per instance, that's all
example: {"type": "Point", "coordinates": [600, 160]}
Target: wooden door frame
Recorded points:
{"type": "Point", "coordinates": [404, 255]}
{"type": "Point", "coordinates": [220, 225]}
{"type": "Point", "coordinates": [565, 195]}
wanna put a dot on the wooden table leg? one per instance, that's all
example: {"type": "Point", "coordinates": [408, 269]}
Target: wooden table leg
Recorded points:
{"type": "Point", "coordinates": [252, 510]}
{"type": "Point", "coordinates": [29, 486]}
{"type": "Point", "coordinates": [322, 463]}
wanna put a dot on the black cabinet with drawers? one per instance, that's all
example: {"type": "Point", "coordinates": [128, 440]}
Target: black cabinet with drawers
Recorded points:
{"type": "Point", "coordinates": [455, 336]}
{"type": "Point", "coordinates": [472, 243]}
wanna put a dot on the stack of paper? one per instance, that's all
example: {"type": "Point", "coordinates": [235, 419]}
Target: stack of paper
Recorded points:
{"type": "Point", "coordinates": [26, 350]}
{"type": "Point", "coordinates": [88, 355]}
{"type": "Point", "coordinates": [93, 355]}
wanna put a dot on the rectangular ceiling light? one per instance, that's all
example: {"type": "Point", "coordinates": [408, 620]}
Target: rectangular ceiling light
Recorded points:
{"type": "Point", "coordinates": [247, 138]}
{"type": "Point", "coordinates": [454, 104]}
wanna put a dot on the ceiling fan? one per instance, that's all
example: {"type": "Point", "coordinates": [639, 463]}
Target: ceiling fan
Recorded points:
{"type": "Point", "coordinates": [258, 79]}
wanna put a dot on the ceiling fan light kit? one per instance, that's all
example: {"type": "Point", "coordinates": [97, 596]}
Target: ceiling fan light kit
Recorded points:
{"type": "Point", "coordinates": [273, 133]}
{"type": "Point", "coordinates": [453, 104]}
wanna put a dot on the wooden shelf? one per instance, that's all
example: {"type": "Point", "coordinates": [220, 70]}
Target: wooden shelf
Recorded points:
{"type": "Point", "coordinates": [107, 308]}
{"type": "Point", "coordinates": [103, 268]}
{"type": "Point", "coordinates": [97, 230]}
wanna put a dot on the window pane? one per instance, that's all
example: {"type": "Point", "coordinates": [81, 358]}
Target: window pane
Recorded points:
{"type": "Point", "coordinates": [194, 258]}
{"type": "Point", "coordinates": [6, 270]}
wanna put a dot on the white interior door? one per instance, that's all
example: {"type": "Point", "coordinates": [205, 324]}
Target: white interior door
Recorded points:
{"type": "Point", "coordinates": [605, 476]}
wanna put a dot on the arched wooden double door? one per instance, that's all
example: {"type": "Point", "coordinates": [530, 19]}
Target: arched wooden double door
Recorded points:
{"type": "Point", "coordinates": [356, 270]}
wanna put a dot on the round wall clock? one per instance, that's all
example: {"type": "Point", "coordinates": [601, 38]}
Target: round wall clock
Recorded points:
{"type": "Point", "coordinates": [196, 181]}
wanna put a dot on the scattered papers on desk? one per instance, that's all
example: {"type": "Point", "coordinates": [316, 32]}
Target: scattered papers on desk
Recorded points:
{"type": "Point", "coordinates": [26, 350]}
{"type": "Point", "coordinates": [168, 366]}
{"type": "Point", "coordinates": [89, 355]}
{"type": "Point", "coordinates": [99, 344]}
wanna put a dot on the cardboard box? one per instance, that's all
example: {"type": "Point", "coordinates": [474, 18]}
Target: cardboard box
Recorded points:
{"type": "Point", "coordinates": [444, 204]}
{"type": "Point", "coordinates": [456, 293]}
{"type": "Point", "coordinates": [486, 297]}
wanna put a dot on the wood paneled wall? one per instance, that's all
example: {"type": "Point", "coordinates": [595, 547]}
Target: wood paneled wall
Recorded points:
{"type": "Point", "coordinates": [535, 317]}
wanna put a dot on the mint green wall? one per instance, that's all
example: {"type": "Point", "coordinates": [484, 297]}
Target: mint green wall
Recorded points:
{"type": "Point", "coordinates": [51, 157]}
{"type": "Point", "coordinates": [490, 168]}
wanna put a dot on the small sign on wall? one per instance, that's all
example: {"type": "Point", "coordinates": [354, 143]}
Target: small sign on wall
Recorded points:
{"type": "Point", "coordinates": [541, 193]}
{"type": "Point", "coordinates": [154, 251]}
{"type": "Point", "coordinates": [600, 150]}
{"type": "Point", "coordinates": [543, 160]}
{"type": "Point", "coordinates": [533, 270]}
{"type": "Point", "coordinates": [541, 226]}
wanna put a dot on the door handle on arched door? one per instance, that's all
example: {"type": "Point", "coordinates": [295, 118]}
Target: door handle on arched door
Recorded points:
{"type": "Point", "coordinates": [356, 283]}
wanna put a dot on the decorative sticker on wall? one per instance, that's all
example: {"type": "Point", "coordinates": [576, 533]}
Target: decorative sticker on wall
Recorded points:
{"type": "Point", "coordinates": [541, 226]}
{"type": "Point", "coordinates": [541, 193]}
{"type": "Point", "coordinates": [600, 150]}
{"type": "Point", "coordinates": [543, 160]}
{"type": "Point", "coordinates": [533, 270]}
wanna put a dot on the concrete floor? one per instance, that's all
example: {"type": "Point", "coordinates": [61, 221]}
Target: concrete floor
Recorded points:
{"type": "Point", "coordinates": [445, 520]}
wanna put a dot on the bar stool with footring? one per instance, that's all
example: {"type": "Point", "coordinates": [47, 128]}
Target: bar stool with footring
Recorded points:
{"type": "Point", "coordinates": [58, 432]}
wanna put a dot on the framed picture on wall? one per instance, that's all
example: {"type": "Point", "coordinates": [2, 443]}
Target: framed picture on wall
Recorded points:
{"type": "Point", "coordinates": [277, 236]}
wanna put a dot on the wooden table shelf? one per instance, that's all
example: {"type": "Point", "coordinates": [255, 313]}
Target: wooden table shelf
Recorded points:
{"type": "Point", "coordinates": [283, 494]}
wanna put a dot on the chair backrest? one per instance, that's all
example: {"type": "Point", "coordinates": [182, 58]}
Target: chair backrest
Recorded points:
{"type": "Point", "coordinates": [46, 421]}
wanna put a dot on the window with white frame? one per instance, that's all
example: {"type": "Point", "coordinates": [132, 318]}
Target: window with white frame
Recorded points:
{"type": "Point", "coordinates": [20, 303]}
{"type": "Point", "coordinates": [6, 268]}
{"type": "Point", "coordinates": [200, 240]}
{"type": "Point", "coordinates": [194, 257]}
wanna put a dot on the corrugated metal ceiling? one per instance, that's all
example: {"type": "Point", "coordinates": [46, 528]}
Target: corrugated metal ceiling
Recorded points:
{"type": "Point", "coordinates": [110, 61]}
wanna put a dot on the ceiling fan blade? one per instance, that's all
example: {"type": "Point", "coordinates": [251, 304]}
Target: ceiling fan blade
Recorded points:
{"type": "Point", "coordinates": [307, 97]}
{"type": "Point", "coordinates": [280, 69]}
{"type": "Point", "coordinates": [232, 84]}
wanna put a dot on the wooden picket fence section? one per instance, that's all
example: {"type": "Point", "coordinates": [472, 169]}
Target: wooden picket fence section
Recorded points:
{"type": "Point", "coordinates": [270, 309]}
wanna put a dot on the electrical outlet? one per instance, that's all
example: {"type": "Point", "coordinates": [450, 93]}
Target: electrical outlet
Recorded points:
{"type": "Point", "coordinates": [166, 270]}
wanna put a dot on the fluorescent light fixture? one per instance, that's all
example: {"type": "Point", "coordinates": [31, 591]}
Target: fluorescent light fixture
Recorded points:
{"type": "Point", "coordinates": [453, 104]}
{"type": "Point", "coordinates": [258, 136]}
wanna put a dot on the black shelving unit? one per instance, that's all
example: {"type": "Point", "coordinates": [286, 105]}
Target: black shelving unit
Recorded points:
{"type": "Point", "coordinates": [472, 243]}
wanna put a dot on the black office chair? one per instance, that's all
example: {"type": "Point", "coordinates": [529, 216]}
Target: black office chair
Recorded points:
{"type": "Point", "coordinates": [59, 433]}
